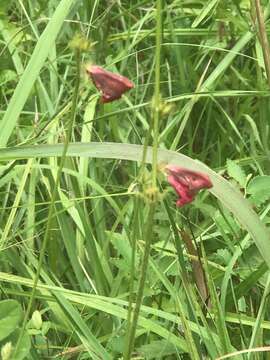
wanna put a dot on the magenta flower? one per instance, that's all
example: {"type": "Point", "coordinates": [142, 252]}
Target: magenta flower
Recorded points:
{"type": "Point", "coordinates": [187, 183]}
{"type": "Point", "coordinates": [111, 85]}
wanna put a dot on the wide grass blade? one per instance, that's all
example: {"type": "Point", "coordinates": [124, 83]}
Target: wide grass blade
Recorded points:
{"type": "Point", "coordinates": [226, 193]}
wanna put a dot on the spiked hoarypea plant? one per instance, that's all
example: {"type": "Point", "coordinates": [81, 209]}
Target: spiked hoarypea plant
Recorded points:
{"type": "Point", "coordinates": [187, 183]}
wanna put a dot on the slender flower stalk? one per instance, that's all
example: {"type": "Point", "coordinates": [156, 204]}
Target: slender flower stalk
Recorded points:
{"type": "Point", "coordinates": [53, 199]}
{"type": "Point", "coordinates": [157, 97]}
{"type": "Point", "coordinates": [148, 233]}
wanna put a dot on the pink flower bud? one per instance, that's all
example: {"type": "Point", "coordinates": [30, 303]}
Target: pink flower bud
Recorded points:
{"type": "Point", "coordinates": [187, 183]}
{"type": "Point", "coordinates": [111, 85]}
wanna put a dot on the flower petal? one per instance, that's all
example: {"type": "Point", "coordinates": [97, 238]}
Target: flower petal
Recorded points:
{"type": "Point", "coordinates": [187, 183]}
{"type": "Point", "coordinates": [111, 85]}
{"type": "Point", "coordinates": [184, 195]}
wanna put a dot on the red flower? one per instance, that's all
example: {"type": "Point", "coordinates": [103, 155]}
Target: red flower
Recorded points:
{"type": "Point", "coordinates": [187, 183]}
{"type": "Point", "coordinates": [111, 85]}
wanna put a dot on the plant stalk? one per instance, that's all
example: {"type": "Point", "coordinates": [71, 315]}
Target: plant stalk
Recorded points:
{"type": "Point", "coordinates": [148, 233]}
{"type": "Point", "coordinates": [263, 38]}
{"type": "Point", "coordinates": [136, 313]}
{"type": "Point", "coordinates": [157, 91]}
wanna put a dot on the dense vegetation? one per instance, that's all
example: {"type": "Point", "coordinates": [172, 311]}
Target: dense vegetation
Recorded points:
{"type": "Point", "coordinates": [97, 260]}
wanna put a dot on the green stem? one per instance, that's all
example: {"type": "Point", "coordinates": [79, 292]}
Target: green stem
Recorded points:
{"type": "Point", "coordinates": [266, 56]}
{"type": "Point", "coordinates": [157, 91]}
{"type": "Point", "coordinates": [148, 233]}
{"type": "Point", "coordinates": [147, 237]}
{"type": "Point", "coordinates": [263, 38]}
{"type": "Point", "coordinates": [132, 272]}
{"type": "Point", "coordinates": [52, 203]}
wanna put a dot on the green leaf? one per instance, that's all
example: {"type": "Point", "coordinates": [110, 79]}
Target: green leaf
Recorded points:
{"type": "Point", "coordinates": [254, 129]}
{"type": "Point", "coordinates": [157, 349]}
{"type": "Point", "coordinates": [24, 346]}
{"type": "Point", "coordinates": [10, 316]}
{"type": "Point", "coordinates": [236, 172]}
{"type": "Point", "coordinates": [122, 245]}
{"type": "Point", "coordinates": [209, 5]}
{"type": "Point", "coordinates": [4, 6]}
{"type": "Point", "coordinates": [259, 189]}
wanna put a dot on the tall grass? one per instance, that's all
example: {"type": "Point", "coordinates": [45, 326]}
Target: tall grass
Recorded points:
{"type": "Point", "coordinates": [97, 260]}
